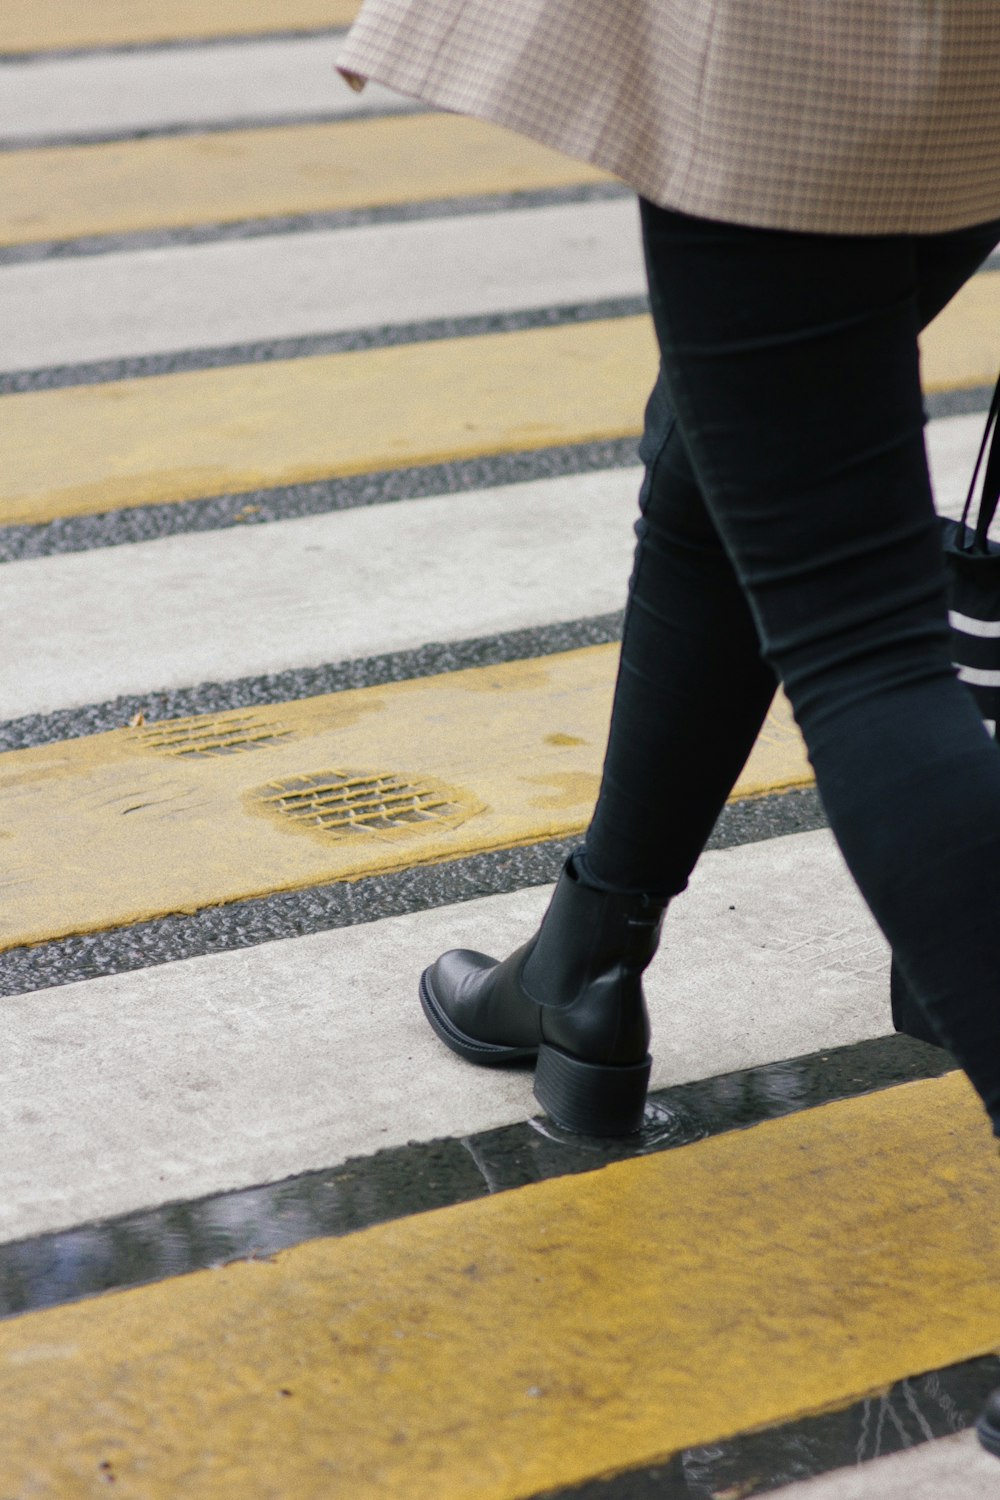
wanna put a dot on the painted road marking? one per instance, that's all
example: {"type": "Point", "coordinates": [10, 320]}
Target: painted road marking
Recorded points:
{"type": "Point", "coordinates": [88, 449]}
{"type": "Point", "coordinates": [961, 348]}
{"type": "Point", "coordinates": [59, 312]}
{"type": "Point", "coordinates": [63, 192]}
{"type": "Point", "coordinates": [178, 437]}
{"type": "Point", "coordinates": [139, 822]}
{"type": "Point", "coordinates": [52, 25]}
{"type": "Point", "coordinates": [638, 1307]}
{"type": "Point", "coordinates": [956, 1467]}
{"type": "Point", "coordinates": [770, 953]}
{"type": "Point", "coordinates": [108, 93]}
{"type": "Point", "coordinates": [85, 627]}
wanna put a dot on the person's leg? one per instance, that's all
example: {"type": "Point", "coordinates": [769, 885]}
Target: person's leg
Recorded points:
{"type": "Point", "coordinates": [791, 362]}
{"type": "Point", "coordinates": [944, 262]}
{"type": "Point", "coordinates": [692, 688]}
{"type": "Point", "coordinates": [691, 695]}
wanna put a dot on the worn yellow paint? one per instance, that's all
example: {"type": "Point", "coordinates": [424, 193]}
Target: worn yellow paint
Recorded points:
{"type": "Point", "coordinates": [67, 191]}
{"type": "Point", "coordinates": [46, 25]}
{"type": "Point", "coordinates": [961, 348]}
{"type": "Point", "coordinates": [180, 437]}
{"type": "Point", "coordinates": [123, 826]}
{"type": "Point", "coordinates": [540, 1337]}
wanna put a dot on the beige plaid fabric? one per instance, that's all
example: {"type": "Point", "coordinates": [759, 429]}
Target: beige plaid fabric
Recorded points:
{"type": "Point", "coordinates": [849, 116]}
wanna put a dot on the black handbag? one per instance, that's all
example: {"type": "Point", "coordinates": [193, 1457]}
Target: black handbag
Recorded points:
{"type": "Point", "coordinates": [972, 562]}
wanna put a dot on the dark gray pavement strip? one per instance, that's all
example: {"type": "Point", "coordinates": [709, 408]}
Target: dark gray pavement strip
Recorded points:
{"type": "Point", "coordinates": [290, 914]}
{"type": "Point", "coordinates": [245, 229]}
{"type": "Point", "coordinates": [153, 1244]}
{"type": "Point", "coordinates": [146, 523]}
{"type": "Point", "coordinates": [927, 1406]}
{"type": "Point", "coordinates": [55, 377]}
{"type": "Point", "coordinates": [173, 44]}
{"type": "Point", "coordinates": [194, 127]}
{"type": "Point", "coordinates": [309, 682]}
{"type": "Point", "coordinates": [962, 403]}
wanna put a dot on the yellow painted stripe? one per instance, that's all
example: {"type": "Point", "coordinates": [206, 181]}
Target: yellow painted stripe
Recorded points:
{"type": "Point", "coordinates": [45, 25]}
{"type": "Point", "coordinates": [137, 823]}
{"type": "Point", "coordinates": [64, 192]}
{"type": "Point", "coordinates": [961, 348]}
{"type": "Point", "coordinates": [178, 437]}
{"type": "Point", "coordinates": [540, 1337]}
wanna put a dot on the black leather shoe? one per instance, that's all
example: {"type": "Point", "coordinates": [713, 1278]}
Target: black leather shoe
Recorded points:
{"type": "Point", "coordinates": [571, 998]}
{"type": "Point", "coordinates": [988, 1426]}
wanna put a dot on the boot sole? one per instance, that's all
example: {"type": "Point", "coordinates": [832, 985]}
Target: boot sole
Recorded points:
{"type": "Point", "coordinates": [586, 1098]}
{"type": "Point", "coordinates": [989, 1436]}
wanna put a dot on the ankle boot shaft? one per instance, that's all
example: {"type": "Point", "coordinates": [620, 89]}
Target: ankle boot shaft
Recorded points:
{"type": "Point", "coordinates": [584, 970]}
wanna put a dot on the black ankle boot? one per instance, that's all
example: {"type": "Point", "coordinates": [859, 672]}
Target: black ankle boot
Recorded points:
{"type": "Point", "coordinates": [988, 1426]}
{"type": "Point", "coordinates": [571, 997]}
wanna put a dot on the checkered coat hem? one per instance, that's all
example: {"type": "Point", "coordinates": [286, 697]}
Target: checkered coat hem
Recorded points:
{"type": "Point", "coordinates": [833, 116]}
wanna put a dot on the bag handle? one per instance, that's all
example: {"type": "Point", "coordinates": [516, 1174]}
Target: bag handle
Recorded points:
{"type": "Point", "coordinates": [991, 481]}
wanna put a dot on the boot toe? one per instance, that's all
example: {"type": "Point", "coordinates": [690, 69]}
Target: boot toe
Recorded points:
{"type": "Point", "coordinates": [454, 993]}
{"type": "Point", "coordinates": [988, 1426]}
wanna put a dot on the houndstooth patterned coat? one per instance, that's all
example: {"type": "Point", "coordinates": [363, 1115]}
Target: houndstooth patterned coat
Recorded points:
{"type": "Point", "coordinates": [838, 116]}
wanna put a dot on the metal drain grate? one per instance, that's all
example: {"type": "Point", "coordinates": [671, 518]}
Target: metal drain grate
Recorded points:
{"type": "Point", "coordinates": [345, 802]}
{"type": "Point", "coordinates": [202, 737]}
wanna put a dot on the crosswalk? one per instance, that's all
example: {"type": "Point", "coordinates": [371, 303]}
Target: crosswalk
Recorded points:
{"type": "Point", "coordinates": [318, 420]}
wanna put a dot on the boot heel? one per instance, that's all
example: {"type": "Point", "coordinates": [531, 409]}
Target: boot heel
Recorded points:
{"type": "Point", "coordinates": [591, 1098]}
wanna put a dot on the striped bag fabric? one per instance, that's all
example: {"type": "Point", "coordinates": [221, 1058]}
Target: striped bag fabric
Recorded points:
{"type": "Point", "coordinates": [973, 566]}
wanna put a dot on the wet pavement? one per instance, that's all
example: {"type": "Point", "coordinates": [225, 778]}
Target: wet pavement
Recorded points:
{"type": "Point", "coordinates": [256, 1222]}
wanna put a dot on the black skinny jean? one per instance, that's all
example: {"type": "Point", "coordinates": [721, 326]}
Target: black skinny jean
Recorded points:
{"type": "Point", "coordinates": [787, 533]}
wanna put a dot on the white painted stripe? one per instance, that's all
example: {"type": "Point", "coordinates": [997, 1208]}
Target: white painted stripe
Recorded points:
{"type": "Point", "coordinates": [284, 286]}
{"type": "Point", "coordinates": [142, 91]}
{"type": "Point", "coordinates": [953, 1468]}
{"type": "Point", "coordinates": [83, 627]}
{"type": "Point", "coordinates": [247, 1067]}
{"type": "Point", "coordinates": [978, 676]}
{"type": "Point", "coordinates": [986, 630]}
